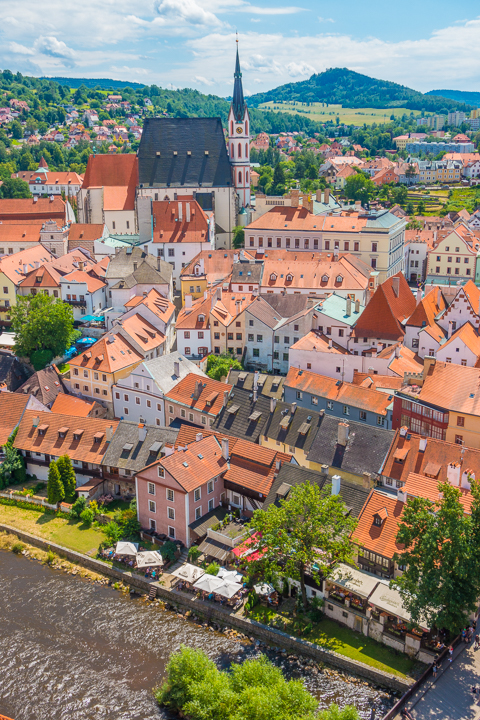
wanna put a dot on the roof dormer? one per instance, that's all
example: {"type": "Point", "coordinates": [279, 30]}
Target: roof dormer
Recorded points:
{"type": "Point", "coordinates": [380, 516]}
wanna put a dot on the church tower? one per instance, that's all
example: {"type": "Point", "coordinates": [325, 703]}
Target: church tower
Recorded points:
{"type": "Point", "coordinates": [239, 139]}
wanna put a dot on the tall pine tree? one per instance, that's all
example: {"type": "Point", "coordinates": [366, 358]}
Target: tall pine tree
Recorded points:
{"type": "Point", "coordinates": [67, 476]}
{"type": "Point", "coordinates": [55, 489]}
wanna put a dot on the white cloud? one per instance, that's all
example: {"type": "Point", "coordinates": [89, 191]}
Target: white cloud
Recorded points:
{"type": "Point", "coordinates": [327, 20]}
{"type": "Point", "coordinates": [255, 10]}
{"type": "Point", "coordinates": [188, 11]}
{"type": "Point", "coordinates": [53, 47]}
{"type": "Point", "coordinates": [203, 81]}
{"type": "Point", "coordinates": [298, 69]}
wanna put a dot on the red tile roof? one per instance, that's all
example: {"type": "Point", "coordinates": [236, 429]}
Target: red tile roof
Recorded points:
{"type": "Point", "coordinates": [12, 407]}
{"type": "Point", "coordinates": [113, 171]}
{"type": "Point", "coordinates": [184, 393]}
{"type": "Point", "coordinates": [28, 208]}
{"type": "Point", "coordinates": [168, 227]}
{"type": "Point", "coordinates": [197, 464]}
{"type": "Point", "coordinates": [383, 315]}
{"type": "Point", "coordinates": [379, 538]}
{"type": "Point", "coordinates": [70, 405]}
{"type": "Point", "coordinates": [19, 231]}
{"type": "Point", "coordinates": [425, 487]}
{"type": "Point", "coordinates": [108, 355]}
{"type": "Point", "coordinates": [428, 308]}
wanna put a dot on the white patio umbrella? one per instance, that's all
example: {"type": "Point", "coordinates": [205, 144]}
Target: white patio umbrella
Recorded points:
{"type": "Point", "coordinates": [126, 548]}
{"type": "Point", "coordinates": [228, 589]}
{"type": "Point", "coordinates": [230, 575]}
{"type": "Point", "coordinates": [264, 589]}
{"type": "Point", "coordinates": [189, 573]}
{"type": "Point", "coordinates": [149, 558]}
{"type": "Point", "coordinates": [208, 583]}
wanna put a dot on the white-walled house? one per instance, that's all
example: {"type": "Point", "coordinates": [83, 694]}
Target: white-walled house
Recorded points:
{"type": "Point", "coordinates": [85, 293]}
{"type": "Point", "coordinates": [155, 309]}
{"type": "Point", "coordinates": [140, 396]}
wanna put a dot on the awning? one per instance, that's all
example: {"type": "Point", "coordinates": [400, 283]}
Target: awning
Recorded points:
{"type": "Point", "coordinates": [208, 583]}
{"type": "Point", "coordinates": [264, 589]}
{"type": "Point", "coordinates": [214, 548]}
{"type": "Point", "coordinates": [149, 558]}
{"type": "Point", "coordinates": [200, 526]}
{"type": "Point", "coordinates": [230, 575]}
{"type": "Point", "coordinates": [354, 581]}
{"type": "Point", "coordinates": [390, 601]}
{"type": "Point", "coordinates": [228, 589]}
{"type": "Point", "coordinates": [93, 318]}
{"type": "Point", "coordinates": [189, 573]}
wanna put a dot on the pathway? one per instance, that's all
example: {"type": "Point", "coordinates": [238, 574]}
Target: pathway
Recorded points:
{"type": "Point", "coordinates": [449, 696]}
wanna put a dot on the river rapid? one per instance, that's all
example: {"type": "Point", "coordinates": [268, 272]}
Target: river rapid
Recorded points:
{"type": "Point", "coordinates": [77, 650]}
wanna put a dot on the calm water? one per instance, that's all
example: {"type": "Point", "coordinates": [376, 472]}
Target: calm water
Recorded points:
{"type": "Point", "coordinates": [71, 649]}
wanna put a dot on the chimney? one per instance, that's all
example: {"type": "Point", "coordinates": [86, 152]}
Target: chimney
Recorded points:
{"type": "Point", "coordinates": [109, 432]}
{"type": "Point", "coordinates": [357, 306]}
{"type": "Point", "coordinates": [25, 269]}
{"type": "Point", "coordinates": [343, 429]}
{"type": "Point", "coordinates": [198, 388]}
{"type": "Point", "coordinates": [37, 264]}
{"type": "Point", "coordinates": [235, 257]}
{"type": "Point", "coordinates": [36, 420]}
{"type": "Point", "coordinates": [278, 465]}
{"type": "Point", "coordinates": [330, 343]}
{"type": "Point", "coordinates": [293, 408]}
{"type": "Point", "coordinates": [176, 369]}
{"type": "Point", "coordinates": [379, 348]}
{"type": "Point", "coordinates": [35, 198]}
{"type": "Point", "coordinates": [466, 477]}
{"type": "Point", "coordinates": [348, 311]}
{"type": "Point", "coordinates": [188, 301]}
{"type": "Point", "coordinates": [324, 470]}
{"type": "Point", "coordinates": [225, 448]}
{"type": "Point", "coordinates": [225, 398]}
{"type": "Point", "coordinates": [336, 482]}
{"type": "Point", "coordinates": [402, 495]}
{"type": "Point", "coordinates": [397, 351]}
{"type": "Point", "coordinates": [255, 380]}
{"type": "Point", "coordinates": [396, 285]}
{"type": "Point", "coordinates": [453, 473]}
{"type": "Point", "coordinates": [142, 433]}
{"type": "Point", "coordinates": [326, 195]}
{"type": "Point", "coordinates": [403, 431]}
{"type": "Point", "coordinates": [318, 196]}
{"type": "Point", "coordinates": [198, 437]}
{"type": "Point", "coordinates": [255, 395]}
{"type": "Point", "coordinates": [205, 294]}
{"type": "Point", "coordinates": [187, 212]}
{"type": "Point", "coordinates": [80, 265]}
{"type": "Point", "coordinates": [273, 404]}
{"type": "Point", "coordinates": [419, 295]}
{"type": "Point", "coordinates": [422, 445]}
{"type": "Point", "coordinates": [450, 329]}
{"type": "Point", "coordinates": [367, 480]}
{"type": "Point", "coordinates": [180, 212]}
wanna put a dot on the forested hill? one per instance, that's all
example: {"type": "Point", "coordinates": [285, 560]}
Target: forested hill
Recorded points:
{"type": "Point", "coordinates": [461, 96]}
{"type": "Point", "coordinates": [351, 89]}
{"type": "Point", "coordinates": [103, 83]}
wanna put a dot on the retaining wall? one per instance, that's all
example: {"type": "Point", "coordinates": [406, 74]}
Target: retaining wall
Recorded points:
{"type": "Point", "coordinates": [272, 636]}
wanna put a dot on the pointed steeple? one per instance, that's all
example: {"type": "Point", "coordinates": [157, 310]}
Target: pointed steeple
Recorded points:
{"type": "Point", "coordinates": [238, 102]}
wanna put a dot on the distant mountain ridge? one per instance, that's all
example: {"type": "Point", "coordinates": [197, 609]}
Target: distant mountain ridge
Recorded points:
{"type": "Point", "coordinates": [463, 96]}
{"type": "Point", "coordinates": [103, 83]}
{"type": "Point", "coordinates": [351, 89]}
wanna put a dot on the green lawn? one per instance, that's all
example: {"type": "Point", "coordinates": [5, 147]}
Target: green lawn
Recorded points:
{"type": "Point", "coordinates": [114, 506]}
{"type": "Point", "coordinates": [351, 116]}
{"type": "Point", "coordinates": [70, 533]}
{"type": "Point", "coordinates": [344, 641]}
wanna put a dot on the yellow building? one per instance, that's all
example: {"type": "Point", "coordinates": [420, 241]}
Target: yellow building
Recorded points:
{"type": "Point", "coordinates": [95, 371]}
{"type": "Point", "coordinates": [453, 258]}
{"type": "Point", "coordinates": [13, 269]}
{"type": "Point", "coordinates": [207, 269]}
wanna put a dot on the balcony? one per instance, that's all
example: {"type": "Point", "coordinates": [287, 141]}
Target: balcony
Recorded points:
{"type": "Point", "coordinates": [77, 303]}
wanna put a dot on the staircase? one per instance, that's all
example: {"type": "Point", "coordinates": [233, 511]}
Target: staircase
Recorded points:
{"type": "Point", "coordinates": [181, 561]}
{"type": "Point", "coordinates": [153, 593]}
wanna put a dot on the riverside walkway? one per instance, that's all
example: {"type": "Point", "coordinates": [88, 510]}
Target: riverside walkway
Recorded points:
{"type": "Point", "coordinates": [449, 696]}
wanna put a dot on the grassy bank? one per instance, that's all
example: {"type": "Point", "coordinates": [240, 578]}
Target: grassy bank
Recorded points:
{"type": "Point", "coordinates": [342, 640]}
{"type": "Point", "coordinates": [72, 534]}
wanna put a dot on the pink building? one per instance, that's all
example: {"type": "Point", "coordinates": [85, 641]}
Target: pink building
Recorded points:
{"type": "Point", "coordinates": [182, 487]}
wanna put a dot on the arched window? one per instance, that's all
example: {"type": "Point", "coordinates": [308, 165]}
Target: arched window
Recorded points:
{"type": "Point", "coordinates": [239, 178]}
{"type": "Point", "coordinates": [246, 150]}
{"type": "Point", "coordinates": [231, 127]}
{"type": "Point", "coordinates": [246, 127]}
{"type": "Point", "coordinates": [246, 177]}
{"type": "Point", "coordinates": [239, 150]}
{"type": "Point", "coordinates": [232, 151]}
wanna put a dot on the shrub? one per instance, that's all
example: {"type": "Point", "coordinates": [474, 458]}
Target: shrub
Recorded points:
{"type": "Point", "coordinates": [50, 557]}
{"type": "Point", "coordinates": [17, 548]}
{"type": "Point", "coordinates": [212, 569]}
{"type": "Point", "coordinates": [40, 358]}
{"type": "Point", "coordinates": [194, 553]}
{"type": "Point", "coordinates": [87, 517]}
{"type": "Point", "coordinates": [78, 507]}
{"type": "Point", "coordinates": [94, 507]}
{"type": "Point", "coordinates": [168, 550]}
{"type": "Point", "coordinates": [113, 532]}
{"type": "Point", "coordinates": [67, 476]}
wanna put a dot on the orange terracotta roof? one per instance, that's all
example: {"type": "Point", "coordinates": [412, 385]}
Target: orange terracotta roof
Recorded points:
{"type": "Point", "coordinates": [384, 313]}
{"type": "Point", "coordinates": [184, 393]}
{"type": "Point", "coordinates": [189, 318]}
{"type": "Point", "coordinates": [13, 266]}
{"type": "Point", "coordinates": [316, 340]}
{"type": "Point", "coordinates": [452, 387]}
{"type": "Point", "coordinates": [188, 434]}
{"type": "Point", "coordinates": [468, 335]}
{"type": "Point", "coordinates": [279, 217]}
{"type": "Point", "coordinates": [84, 231]}
{"type": "Point", "coordinates": [308, 271]}
{"type": "Point", "coordinates": [12, 407]}
{"type": "Point", "coordinates": [425, 487]}
{"type": "Point", "coordinates": [374, 382]}
{"type": "Point", "coordinates": [108, 355]}
{"type": "Point", "coordinates": [43, 277]}
{"type": "Point", "coordinates": [379, 538]}
{"type": "Point", "coordinates": [155, 302]}
{"type": "Point", "coordinates": [407, 361]}
{"type": "Point", "coordinates": [169, 227]}
{"type": "Point", "coordinates": [51, 177]}
{"type": "Point", "coordinates": [93, 283]}
{"type": "Point", "coordinates": [346, 393]}
{"type": "Point", "coordinates": [197, 464]}
{"type": "Point", "coordinates": [20, 232]}
{"type": "Point", "coordinates": [142, 332]}
{"type": "Point", "coordinates": [70, 405]}
{"type": "Point", "coordinates": [78, 446]}
{"type": "Point", "coordinates": [118, 172]}
{"type": "Point", "coordinates": [25, 207]}
{"type": "Point", "coordinates": [428, 308]}
{"type": "Point", "coordinates": [217, 264]}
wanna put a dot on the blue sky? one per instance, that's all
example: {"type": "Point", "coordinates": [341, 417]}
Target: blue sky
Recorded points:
{"type": "Point", "coordinates": [191, 43]}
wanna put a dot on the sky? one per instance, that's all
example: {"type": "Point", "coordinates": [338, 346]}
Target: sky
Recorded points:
{"type": "Point", "coordinates": [423, 44]}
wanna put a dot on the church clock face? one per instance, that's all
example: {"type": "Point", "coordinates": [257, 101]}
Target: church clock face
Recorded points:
{"type": "Point", "coordinates": [239, 130]}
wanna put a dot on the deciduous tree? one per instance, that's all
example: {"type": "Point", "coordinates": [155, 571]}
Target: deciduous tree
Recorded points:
{"type": "Point", "coordinates": [14, 188]}
{"type": "Point", "coordinates": [311, 526]}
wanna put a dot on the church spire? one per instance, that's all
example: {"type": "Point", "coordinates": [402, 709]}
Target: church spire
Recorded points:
{"type": "Point", "coordinates": [238, 102]}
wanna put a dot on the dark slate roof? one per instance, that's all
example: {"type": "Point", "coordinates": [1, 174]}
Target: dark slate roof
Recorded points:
{"type": "Point", "coordinates": [44, 385]}
{"type": "Point", "coordinates": [142, 453]}
{"type": "Point", "coordinates": [238, 102]}
{"type": "Point", "coordinates": [354, 496]}
{"type": "Point", "coordinates": [365, 450]}
{"type": "Point", "coordinates": [182, 135]}
{"type": "Point", "coordinates": [268, 385]}
{"type": "Point", "coordinates": [286, 306]}
{"type": "Point", "coordinates": [247, 272]}
{"type": "Point", "coordinates": [238, 424]}
{"type": "Point", "coordinates": [291, 435]}
{"type": "Point", "coordinates": [12, 372]}
{"type": "Point", "coordinates": [200, 526]}
{"type": "Point", "coordinates": [149, 268]}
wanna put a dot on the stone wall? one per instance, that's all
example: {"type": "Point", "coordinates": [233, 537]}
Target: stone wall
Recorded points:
{"type": "Point", "coordinates": [269, 635]}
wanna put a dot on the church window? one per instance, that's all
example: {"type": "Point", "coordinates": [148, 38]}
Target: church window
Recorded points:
{"type": "Point", "coordinates": [246, 151]}
{"type": "Point", "coordinates": [246, 175]}
{"type": "Point", "coordinates": [232, 151]}
{"type": "Point", "coordinates": [239, 178]}
{"type": "Point", "coordinates": [239, 150]}
{"type": "Point", "coordinates": [246, 127]}
{"type": "Point", "coordinates": [231, 127]}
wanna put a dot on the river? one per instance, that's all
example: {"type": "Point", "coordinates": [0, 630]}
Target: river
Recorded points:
{"type": "Point", "coordinates": [73, 649]}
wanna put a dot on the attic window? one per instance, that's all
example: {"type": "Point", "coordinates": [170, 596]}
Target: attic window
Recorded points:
{"type": "Point", "coordinates": [283, 490]}
{"type": "Point", "coordinates": [127, 447]}
{"type": "Point", "coordinates": [77, 435]}
{"type": "Point", "coordinates": [380, 517]}
{"type": "Point", "coordinates": [324, 278]}
{"type": "Point", "coordinates": [87, 356]}
{"type": "Point", "coordinates": [273, 276]}
{"type": "Point", "coordinates": [233, 409]}
{"type": "Point", "coordinates": [98, 437]}
{"type": "Point", "coordinates": [304, 428]}
{"type": "Point", "coordinates": [339, 278]}
{"type": "Point", "coordinates": [201, 318]}
{"type": "Point", "coordinates": [42, 429]}
{"type": "Point", "coordinates": [285, 422]}
{"type": "Point", "coordinates": [400, 454]}
{"type": "Point", "coordinates": [289, 277]}
{"type": "Point", "coordinates": [62, 432]}
{"type": "Point", "coordinates": [46, 388]}
{"type": "Point", "coordinates": [255, 416]}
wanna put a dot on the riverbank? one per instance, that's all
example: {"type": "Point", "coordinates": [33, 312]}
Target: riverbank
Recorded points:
{"type": "Point", "coordinates": [217, 614]}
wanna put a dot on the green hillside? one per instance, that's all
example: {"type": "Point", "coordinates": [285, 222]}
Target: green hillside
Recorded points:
{"type": "Point", "coordinates": [103, 83]}
{"type": "Point", "coordinates": [351, 89]}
